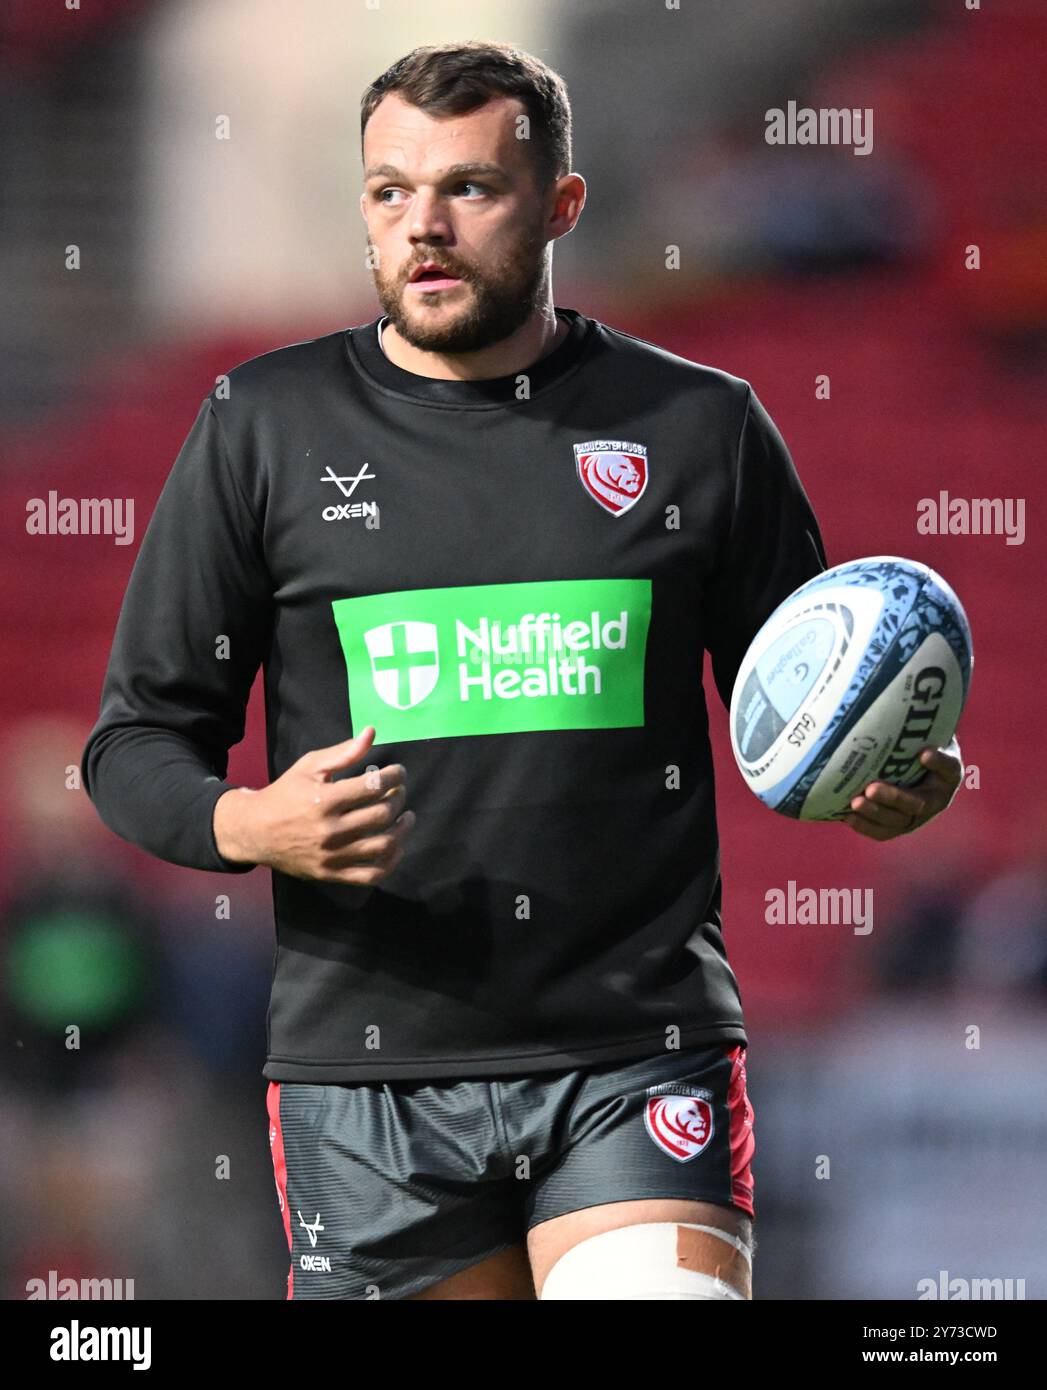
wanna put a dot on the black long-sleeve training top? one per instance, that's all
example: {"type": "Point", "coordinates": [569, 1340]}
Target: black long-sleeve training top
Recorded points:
{"type": "Point", "coordinates": [514, 581]}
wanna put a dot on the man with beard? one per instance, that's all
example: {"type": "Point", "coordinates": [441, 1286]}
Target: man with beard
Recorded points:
{"type": "Point", "coordinates": [489, 538]}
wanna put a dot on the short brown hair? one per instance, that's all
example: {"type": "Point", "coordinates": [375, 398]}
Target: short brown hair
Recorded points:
{"type": "Point", "coordinates": [451, 79]}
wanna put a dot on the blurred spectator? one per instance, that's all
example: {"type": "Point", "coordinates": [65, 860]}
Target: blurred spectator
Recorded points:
{"type": "Point", "coordinates": [1002, 935]}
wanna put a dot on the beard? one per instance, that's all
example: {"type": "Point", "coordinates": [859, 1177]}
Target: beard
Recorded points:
{"type": "Point", "coordinates": [503, 299]}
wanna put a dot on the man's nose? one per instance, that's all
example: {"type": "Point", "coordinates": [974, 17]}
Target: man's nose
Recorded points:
{"type": "Point", "coordinates": [429, 218]}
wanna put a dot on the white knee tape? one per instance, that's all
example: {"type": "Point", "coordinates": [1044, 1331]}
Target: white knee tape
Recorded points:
{"type": "Point", "coordinates": [638, 1262]}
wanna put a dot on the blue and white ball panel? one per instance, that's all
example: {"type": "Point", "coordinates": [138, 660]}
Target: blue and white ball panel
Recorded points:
{"type": "Point", "coordinates": [806, 655]}
{"type": "Point", "coordinates": [849, 678]}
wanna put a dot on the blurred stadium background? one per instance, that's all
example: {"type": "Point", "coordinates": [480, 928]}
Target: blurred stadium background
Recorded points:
{"type": "Point", "coordinates": [198, 253]}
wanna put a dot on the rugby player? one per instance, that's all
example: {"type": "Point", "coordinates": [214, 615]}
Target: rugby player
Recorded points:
{"type": "Point", "coordinates": [478, 547]}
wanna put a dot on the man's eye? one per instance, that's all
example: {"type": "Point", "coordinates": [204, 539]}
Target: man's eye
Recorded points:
{"type": "Point", "coordinates": [383, 193]}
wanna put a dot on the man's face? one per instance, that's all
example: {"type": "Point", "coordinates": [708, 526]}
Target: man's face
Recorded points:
{"type": "Point", "coordinates": [460, 191]}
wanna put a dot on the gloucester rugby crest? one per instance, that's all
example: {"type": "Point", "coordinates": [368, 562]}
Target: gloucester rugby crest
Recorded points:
{"type": "Point", "coordinates": [613, 472]}
{"type": "Point", "coordinates": [679, 1119]}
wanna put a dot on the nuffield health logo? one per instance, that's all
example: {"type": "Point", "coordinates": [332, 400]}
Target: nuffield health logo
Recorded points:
{"type": "Point", "coordinates": [405, 661]}
{"type": "Point", "coordinates": [497, 658]}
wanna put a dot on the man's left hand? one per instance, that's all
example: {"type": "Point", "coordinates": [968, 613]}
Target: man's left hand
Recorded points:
{"type": "Point", "coordinates": [884, 810]}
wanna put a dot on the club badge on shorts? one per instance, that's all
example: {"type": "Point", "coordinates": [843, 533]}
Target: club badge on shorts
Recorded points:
{"type": "Point", "coordinates": [613, 472]}
{"type": "Point", "coordinates": [679, 1119]}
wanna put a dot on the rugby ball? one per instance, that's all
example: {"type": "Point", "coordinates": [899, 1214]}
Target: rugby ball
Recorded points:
{"type": "Point", "coordinates": [846, 682]}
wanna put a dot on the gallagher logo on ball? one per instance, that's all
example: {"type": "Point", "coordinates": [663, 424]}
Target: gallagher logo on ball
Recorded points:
{"type": "Point", "coordinates": [613, 472]}
{"type": "Point", "coordinates": [679, 1119]}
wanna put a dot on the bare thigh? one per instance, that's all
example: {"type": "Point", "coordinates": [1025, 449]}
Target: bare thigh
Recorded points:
{"type": "Point", "coordinates": [547, 1241]}
{"type": "Point", "coordinates": [505, 1275]}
